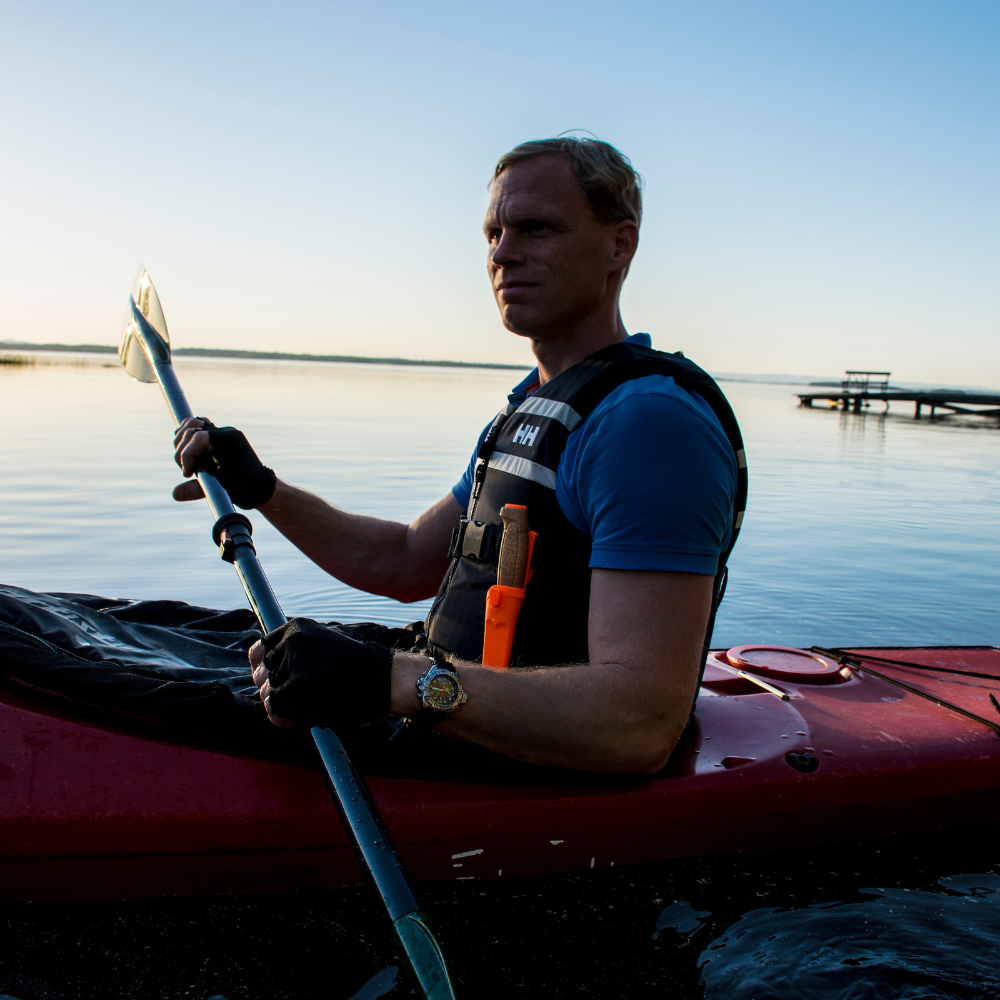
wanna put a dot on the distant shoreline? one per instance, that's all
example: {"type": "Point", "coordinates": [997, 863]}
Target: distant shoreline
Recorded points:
{"type": "Point", "coordinates": [211, 352]}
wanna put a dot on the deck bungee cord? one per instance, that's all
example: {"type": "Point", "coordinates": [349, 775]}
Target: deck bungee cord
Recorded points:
{"type": "Point", "coordinates": [855, 660]}
{"type": "Point", "coordinates": [837, 653]}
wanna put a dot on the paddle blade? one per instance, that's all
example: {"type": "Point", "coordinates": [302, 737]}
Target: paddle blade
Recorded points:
{"type": "Point", "coordinates": [137, 336]}
{"type": "Point", "coordinates": [425, 956]}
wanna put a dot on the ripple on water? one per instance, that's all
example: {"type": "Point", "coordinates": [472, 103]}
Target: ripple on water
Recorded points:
{"type": "Point", "coordinates": [897, 944]}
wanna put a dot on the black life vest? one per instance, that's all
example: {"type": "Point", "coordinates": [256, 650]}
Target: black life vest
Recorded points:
{"type": "Point", "coordinates": [517, 464]}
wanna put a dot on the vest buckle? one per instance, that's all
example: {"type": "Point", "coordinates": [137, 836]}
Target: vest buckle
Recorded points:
{"type": "Point", "coordinates": [475, 540]}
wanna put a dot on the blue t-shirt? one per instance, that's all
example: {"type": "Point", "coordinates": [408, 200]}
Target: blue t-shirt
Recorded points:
{"type": "Point", "coordinates": [649, 475]}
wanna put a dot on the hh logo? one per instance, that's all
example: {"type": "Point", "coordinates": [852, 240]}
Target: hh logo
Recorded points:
{"type": "Point", "coordinates": [526, 434]}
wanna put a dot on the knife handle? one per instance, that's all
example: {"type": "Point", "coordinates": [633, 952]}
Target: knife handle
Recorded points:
{"type": "Point", "coordinates": [513, 546]}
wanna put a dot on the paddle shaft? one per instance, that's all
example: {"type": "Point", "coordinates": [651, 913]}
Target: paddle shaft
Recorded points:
{"type": "Point", "coordinates": [364, 824]}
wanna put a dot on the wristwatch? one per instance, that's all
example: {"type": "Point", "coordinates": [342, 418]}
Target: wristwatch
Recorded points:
{"type": "Point", "coordinates": [440, 694]}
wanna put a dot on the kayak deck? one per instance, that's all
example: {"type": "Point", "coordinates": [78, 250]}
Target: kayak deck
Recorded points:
{"type": "Point", "coordinates": [89, 811]}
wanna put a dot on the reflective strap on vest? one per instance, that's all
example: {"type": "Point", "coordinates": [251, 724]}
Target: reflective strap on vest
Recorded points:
{"type": "Point", "coordinates": [524, 468]}
{"type": "Point", "coordinates": [553, 409]}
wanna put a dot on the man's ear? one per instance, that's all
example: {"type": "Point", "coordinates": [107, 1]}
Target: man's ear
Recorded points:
{"type": "Point", "coordinates": [625, 242]}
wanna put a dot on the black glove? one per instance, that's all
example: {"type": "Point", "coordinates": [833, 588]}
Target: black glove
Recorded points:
{"type": "Point", "coordinates": [319, 675]}
{"type": "Point", "coordinates": [247, 480]}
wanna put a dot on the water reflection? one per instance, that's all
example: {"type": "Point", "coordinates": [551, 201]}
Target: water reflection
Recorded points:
{"type": "Point", "coordinates": [379, 984]}
{"type": "Point", "coordinates": [681, 918]}
{"type": "Point", "coordinates": [898, 943]}
{"type": "Point", "coordinates": [857, 423]}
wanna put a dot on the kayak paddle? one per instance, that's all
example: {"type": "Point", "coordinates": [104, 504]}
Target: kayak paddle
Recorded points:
{"type": "Point", "coordinates": [145, 353]}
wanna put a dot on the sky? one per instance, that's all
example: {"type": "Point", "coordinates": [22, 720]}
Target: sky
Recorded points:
{"type": "Point", "coordinates": [821, 175]}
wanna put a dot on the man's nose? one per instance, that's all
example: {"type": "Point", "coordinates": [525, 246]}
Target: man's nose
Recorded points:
{"type": "Point", "coordinates": [507, 250]}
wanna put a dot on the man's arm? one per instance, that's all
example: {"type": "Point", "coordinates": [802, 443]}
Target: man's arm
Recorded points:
{"type": "Point", "coordinates": [622, 711]}
{"type": "Point", "coordinates": [403, 561]}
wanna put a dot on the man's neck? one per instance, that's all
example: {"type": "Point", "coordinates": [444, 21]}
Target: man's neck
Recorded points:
{"type": "Point", "coordinates": [555, 355]}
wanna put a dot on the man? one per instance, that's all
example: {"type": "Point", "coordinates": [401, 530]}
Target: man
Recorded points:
{"type": "Point", "coordinates": [631, 480]}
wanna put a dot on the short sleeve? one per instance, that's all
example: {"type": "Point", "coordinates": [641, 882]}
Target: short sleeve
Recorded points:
{"type": "Point", "coordinates": [651, 477]}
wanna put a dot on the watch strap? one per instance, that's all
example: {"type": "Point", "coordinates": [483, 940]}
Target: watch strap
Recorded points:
{"type": "Point", "coordinates": [428, 718]}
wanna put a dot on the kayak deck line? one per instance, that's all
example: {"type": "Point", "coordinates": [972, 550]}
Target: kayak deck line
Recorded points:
{"type": "Point", "coordinates": [837, 653]}
{"type": "Point", "coordinates": [854, 660]}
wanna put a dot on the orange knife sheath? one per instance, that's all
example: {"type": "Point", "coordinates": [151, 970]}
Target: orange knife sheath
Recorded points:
{"type": "Point", "coordinates": [503, 601]}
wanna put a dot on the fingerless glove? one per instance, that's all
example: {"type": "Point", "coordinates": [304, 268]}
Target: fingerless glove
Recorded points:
{"type": "Point", "coordinates": [246, 479]}
{"type": "Point", "coordinates": [319, 675]}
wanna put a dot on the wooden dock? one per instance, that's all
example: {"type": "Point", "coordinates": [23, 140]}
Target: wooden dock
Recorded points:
{"type": "Point", "coordinates": [860, 388]}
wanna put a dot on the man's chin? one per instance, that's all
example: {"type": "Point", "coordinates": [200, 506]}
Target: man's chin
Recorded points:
{"type": "Point", "coordinates": [524, 322]}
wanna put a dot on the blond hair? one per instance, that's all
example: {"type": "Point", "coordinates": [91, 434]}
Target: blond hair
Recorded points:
{"type": "Point", "coordinates": [612, 185]}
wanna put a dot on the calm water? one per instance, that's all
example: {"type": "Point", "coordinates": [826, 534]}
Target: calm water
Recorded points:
{"type": "Point", "coordinates": [861, 528]}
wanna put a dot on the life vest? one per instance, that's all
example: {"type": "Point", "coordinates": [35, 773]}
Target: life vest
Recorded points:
{"type": "Point", "coordinates": [516, 464]}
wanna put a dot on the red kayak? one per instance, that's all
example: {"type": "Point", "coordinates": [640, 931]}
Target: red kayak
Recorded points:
{"type": "Point", "coordinates": [788, 747]}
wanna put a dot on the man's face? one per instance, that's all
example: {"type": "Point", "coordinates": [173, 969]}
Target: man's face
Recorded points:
{"type": "Point", "coordinates": [551, 261]}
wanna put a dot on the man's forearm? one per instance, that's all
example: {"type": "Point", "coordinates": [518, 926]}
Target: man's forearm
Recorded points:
{"type": "Point", "coordinates": [623, 711]}
{"type": "Point", "coordinates": [369, 553]}
{"type": "Point", "coordinates": [595, 717]}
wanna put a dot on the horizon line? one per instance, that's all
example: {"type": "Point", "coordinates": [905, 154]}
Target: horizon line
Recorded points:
{"type": "Point", "coordinates": [222, 352]}
{"type": "Point", "coordinates": [773, 378]}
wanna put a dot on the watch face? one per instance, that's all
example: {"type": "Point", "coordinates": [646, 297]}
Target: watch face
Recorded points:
{"type": "Point", "coordinates": [441, 691]}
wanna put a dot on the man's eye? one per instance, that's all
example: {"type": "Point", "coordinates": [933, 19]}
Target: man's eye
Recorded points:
{"type": "Point", "coordinates": [493, 235]}
{"type": "Point", "coordinates": [532, 226]}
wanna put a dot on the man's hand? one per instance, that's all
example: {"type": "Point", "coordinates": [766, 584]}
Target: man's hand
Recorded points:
{"type": "Point", "coordinates": [308, 673]}
{"type": "Point", "coordinates": [235, 464]}
{"type": "Point", "coordinates": [401, 561]}
{"type": "Point", "coordinates": [191, 441]}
